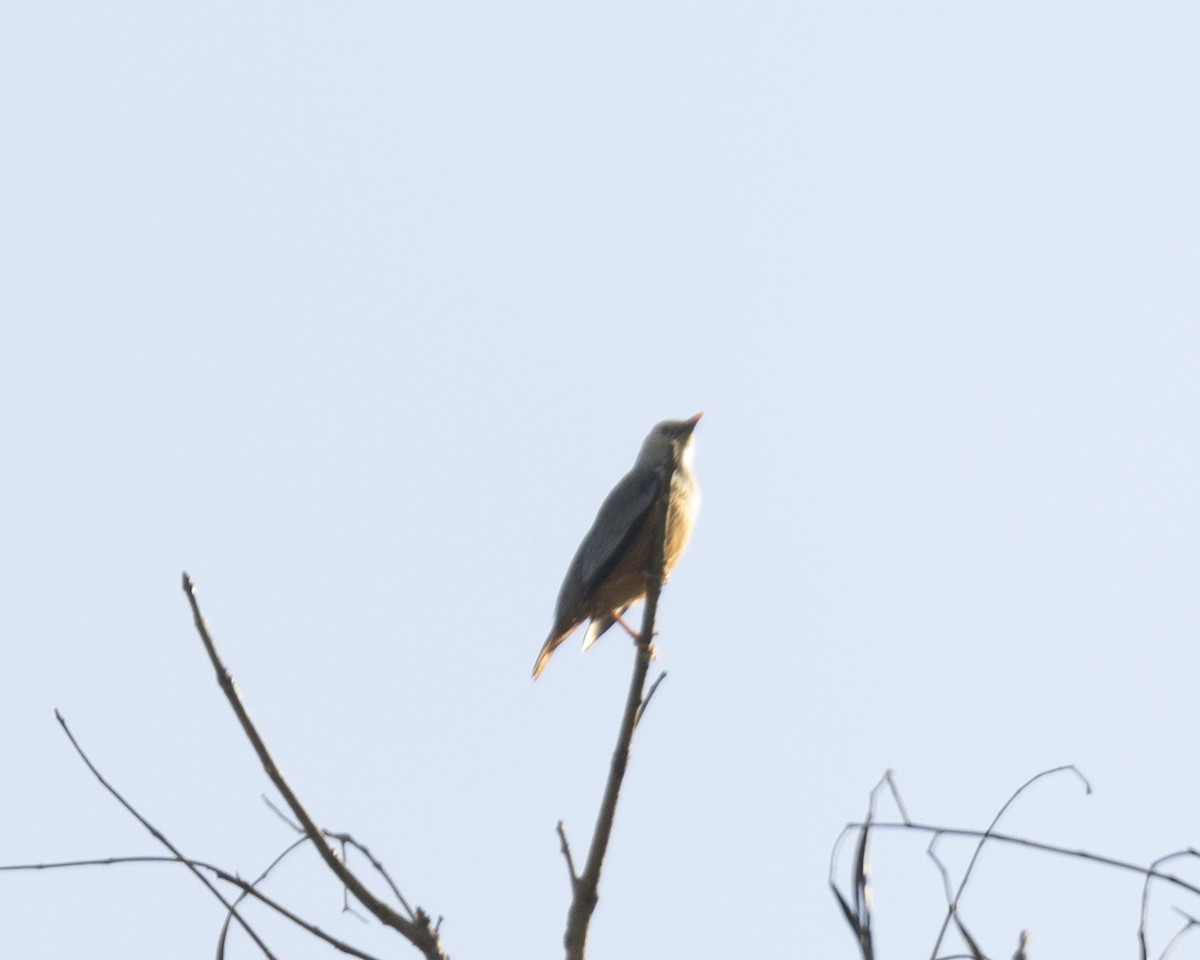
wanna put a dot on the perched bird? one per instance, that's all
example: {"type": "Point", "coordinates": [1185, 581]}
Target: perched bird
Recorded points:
{"type": "Point", "coordinates": [609, 570]}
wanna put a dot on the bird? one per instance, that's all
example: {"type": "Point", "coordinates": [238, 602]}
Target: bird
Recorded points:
{"type": "Point", "coordinates": [609, 571]}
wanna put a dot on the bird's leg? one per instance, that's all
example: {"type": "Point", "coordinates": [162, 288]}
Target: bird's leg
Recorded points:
{"type": "Point", "coordinates": [629, 630]}
{"type": "Point", "coordinates": [637, 636]}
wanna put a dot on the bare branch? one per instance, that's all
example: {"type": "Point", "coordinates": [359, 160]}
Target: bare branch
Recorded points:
{"type": "Point", "coordinates": [223, 875]}
{"type": "Point", "coordinates": [281, 815]}
{"type": "Point", "coordinates": [1022, 842]}
{"type": "Point", "coordinates": [953, 905]}
{"type": "Point", "coordinates": [566, 852]}
{"type": "Point", "coordinates": [649, 695]}
{"type": "Point", "coordinates": [889, 778]}
{"type": "Point", "coordinates": [377, 865]}
{"type": "Point", "coordinates": [421, 933]}
{"type": "Point", "coordinates": [296, 844]}
{"type": "Point", "coordinates": [1144, 948]}
{"type": "Point", "coordinates": [154, 832]}
{"type": "Point", "coordinates": [345, 840]}
{"type": "Point", "coordinates": [858, 914]}
{"type": "Point", "coordinates": [1190, 924]}
{"type": "Point", "coordinates": [976, 953]}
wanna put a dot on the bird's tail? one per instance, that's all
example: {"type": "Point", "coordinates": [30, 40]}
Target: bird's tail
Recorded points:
{"type": "Point", "coordinates": [601, 624]}
{"type": "Point", "coordinates": [547, 651]}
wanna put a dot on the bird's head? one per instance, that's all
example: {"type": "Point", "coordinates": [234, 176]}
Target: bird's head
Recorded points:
{"type": "Point", "coordinates": [669, 444]}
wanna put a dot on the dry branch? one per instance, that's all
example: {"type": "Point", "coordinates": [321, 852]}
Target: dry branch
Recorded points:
{"type": "Point", "coordinates": [419, 930]}
{"type": "Point", "coordinates": [952, 906]}
{"type": "Point", "coordinates": [857, 909]}
{"type": "Point", "coordinates": [247, 888]}
{"type": "Point", "coordinates": [161, 838]}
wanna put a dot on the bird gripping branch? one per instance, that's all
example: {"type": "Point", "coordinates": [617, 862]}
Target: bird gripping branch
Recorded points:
{"type": "Point", "coordinates": [610, 568]}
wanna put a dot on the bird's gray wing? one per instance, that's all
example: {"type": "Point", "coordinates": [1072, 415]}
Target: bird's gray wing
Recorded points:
{"type": "Point", "coordinates": [622, 516]}
{"type": "Point", "coordinates": [618, 522]}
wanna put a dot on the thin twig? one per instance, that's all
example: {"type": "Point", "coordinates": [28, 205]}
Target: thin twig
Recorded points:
{"type": "Point", "coordinates": [565, 846]}
{"type": "Point", "coordinates": [1142, 943]}
{"type": "Point", "coordinates": [647, 698]}
{"type": "Point", "coordinates": [157, 834]}
{"type": "Point", "coordinates": [890, 779]}
{"type": "Point", "coordinates": [976, 953]}
{"type": "Point", "coordinates": [943, 870]}
{"type": "Point", "coordinates": [1189, 925]}
{"type": "Point", "coordinates": [420, 933]}
{"type": "Point", "coordinates": [1023, 842]}
{"type": "Point", "coordinates": [224, 936]}
{"type": "Point", "coordinates": [858, 922]}
{"type": "Point", "coordinates": [347, 840]}
{"type": "Point", "coordinates": [223, 875]}
{"type": "Point", "coordinates": [377, 865]}
{"type": "Point", "coordinates": [953, 906]}
{"type": "Point", "coordinates": [281, 815]}
{"type": "Point", "coordinates": [346, 908]}
{"type": "Point", "coordinates": [858, 915]}
{"type": "Point", "coordinates": [862, 887]}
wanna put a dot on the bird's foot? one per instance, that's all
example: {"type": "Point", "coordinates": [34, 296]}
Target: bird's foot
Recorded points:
{"type": "Point", "coordinates": [629, 630]}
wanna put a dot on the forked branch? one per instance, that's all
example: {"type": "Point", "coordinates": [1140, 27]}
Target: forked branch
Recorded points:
{"type": "Point", "coordinates": [857, 909]}
{"type": "Point", "coordinates": [419, 930]}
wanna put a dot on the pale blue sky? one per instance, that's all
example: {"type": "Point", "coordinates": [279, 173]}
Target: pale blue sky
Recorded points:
{"type": "Point", "coordinates": [356, 313]}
